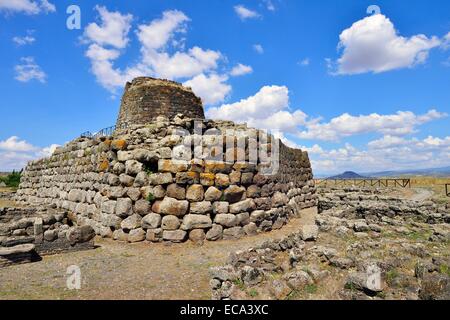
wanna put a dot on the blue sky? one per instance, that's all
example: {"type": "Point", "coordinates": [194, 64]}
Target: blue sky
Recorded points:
{"type": "Point", "coordinates": [359, 91]}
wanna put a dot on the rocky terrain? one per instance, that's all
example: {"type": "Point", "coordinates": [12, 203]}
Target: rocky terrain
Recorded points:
{"type": "Point", "coordinates": [365, 244]}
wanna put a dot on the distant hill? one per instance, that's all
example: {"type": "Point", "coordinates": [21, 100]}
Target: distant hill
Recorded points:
{"type": "Point", "coordinates": [434, 172]}
{"type": "Point", "coordinates": [348, 175]}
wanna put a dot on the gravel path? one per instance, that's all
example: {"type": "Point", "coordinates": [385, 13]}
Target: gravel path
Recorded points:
{"type": "Point", "coordinates": [131, 271]}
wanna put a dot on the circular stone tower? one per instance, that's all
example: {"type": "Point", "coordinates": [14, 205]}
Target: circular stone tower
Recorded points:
{"type": "Point", "coordinates": [146, 98]}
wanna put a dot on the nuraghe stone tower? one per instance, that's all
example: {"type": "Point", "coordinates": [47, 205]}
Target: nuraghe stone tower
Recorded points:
{"type": "Point", "coordinates": [167, 174]}
{"type": "Point", "coordinates": [147, 98]}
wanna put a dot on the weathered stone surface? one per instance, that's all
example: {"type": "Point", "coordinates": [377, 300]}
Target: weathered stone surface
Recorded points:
{"type": "Point", "coordinates": [215, 233]}
{"type": "Point", "coordinates": [50, 235]}
{"type": "Point", "coordinates": [151, 221]}
{"type": "Point", "coordinates": [171, 206]}
{"type": "Point", "coordinates": [220, 207]}
{"type": "Point", "coordinates": [170, 223]}
{"type": "Point", "coordinates": [160, 178]}
{"type": "Point", "coordinates": [174, 235]}
{"type": "Point", "coordinates": [132, 222]}
{"type": "Point", "coordinates": [120, 235]}
{"type": "Point", "coordinates": [188, 178]}
{"type": "Point", "coordinates": [213, 194]}
{"type": "Point", "coordinates": [242, 206]}
{"type": "Point", "coordinates": [176, 191]}
{"type": "Point", "coordinates": [250, 229]}
{"type": "Point", "coordinates": [133, 167]}
{"type": "Point", "coordinates": [279, 199]}
{"type": "Point", "coordinates": [203, 207]}
{"type": "Point", "coordinates": [111, 220]}
{"type": "Point", "coordinates": [233, 233]}
{"type": "Point", "coordinates": [233, 193]}
{"type": "Point", "coordinates": [197, 236]}
{"type": "Point", "coordinates": [222, 180]}
{"type": "Point", "coordinates": [141, 179]}
{"type": "Point", "coordinates": [309, 232]}
{"type": "Point", "coordinates": [80, 234]}
{"type": "Point", "coordinates": [207, 179]}
{"type": "Point", "coordinates": [142, 207]}
{"type": "Point", "coordinates": [195, 192]}
{"type": "Point", "coordinates": [226, 220]}
{"type": "Point", "coordinates": [173, 166]}
{"type": "Point", "coordinates": [124, 207]}
{"type": "Point", "coordinates": [280, 289]}
{"type": "Point", "coordinates": [196, 221]}
{"type": "Point", "coordinates": [361, 226]}
{"type": "Point", "coordinates": [77, 195]}
{"type": "Point", "coordinates": [136, 235]}
{"type": "Point", "coordinates": [133, 193]}
{"type": "Point", "coordinates": [154, 235]}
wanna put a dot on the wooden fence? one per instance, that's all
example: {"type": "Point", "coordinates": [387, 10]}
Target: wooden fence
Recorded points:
{"type": "Point", "coordinates": [447, 189]}
{"type": "Point", "coordinates": [402, 183]}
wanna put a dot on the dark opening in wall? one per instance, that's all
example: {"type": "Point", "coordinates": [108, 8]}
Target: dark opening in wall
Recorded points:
{"type": "Point", "coordinates": [151, 166]}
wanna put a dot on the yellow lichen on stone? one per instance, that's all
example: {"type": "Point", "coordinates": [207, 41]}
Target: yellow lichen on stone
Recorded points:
{"type": "Point", "coordinates": [119, 144]}
{"type": "Point", "coordinates": [104, 165]}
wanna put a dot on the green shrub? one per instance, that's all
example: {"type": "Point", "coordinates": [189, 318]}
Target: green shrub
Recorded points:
{"type": "Point", "coordinates": [150, 197]}
{"type": "Point", "coordinates": [12, 180]}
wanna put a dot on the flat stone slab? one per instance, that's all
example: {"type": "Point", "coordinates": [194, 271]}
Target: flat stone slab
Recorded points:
{"type": "Point", "coordinates": [19, 249]}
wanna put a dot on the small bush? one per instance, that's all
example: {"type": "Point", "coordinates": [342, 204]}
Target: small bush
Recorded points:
{"type": "Point", "coordinates": [12, 180]}
{"type": "Point", "coordinates": [150, 197]}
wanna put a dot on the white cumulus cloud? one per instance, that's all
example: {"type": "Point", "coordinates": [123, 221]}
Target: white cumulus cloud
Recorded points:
{"type": "Point", "coordinates": [22, 41]}
{"type": "Point", "coordinates": [245, 13]}
{"type": "Point", "coordinates": [240, 70]}
{"type": "Point", "coordinates": [28, 70]}
{"type": "Point", "coordinates": [258, 48]}
{"type": "Point", "coordinates": [162, 54]}
{"type": "Point", "coordinates": [345, 125]}
{"type": "Point", "coordinates": [212, 89]}
{"type": "Point", "coordinates": [374, 45]}
{"type": "Point", "coordinates": [15, 153]}
{"type": "Point", "coordinates": [29, 7]}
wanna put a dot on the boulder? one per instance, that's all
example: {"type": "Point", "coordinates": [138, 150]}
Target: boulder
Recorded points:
{"type": "Point", "coordinates": [309, 232]}
{"type": "Point", "coordinates": [213, 194]}
{"type": "Point", "coordinates": [226, 220]}
{"type": "Point", "coordinates": [233, 233]}
{"type": "Point", "coordinates": [133, 167]}
{"type": "Point", "coordinates": [197, 236]}
{"type": "Point", "coordinates": [203, 207]}
{"type": "Point", "coordinates": [132, 222]}
{"type": "Point", "coordinates": [195, 192]}
{"type": "Point", "coordinates": [136, 235]}
{"type": "Point", "coordinates": [233, 193]}
{"type": "Point", "coordinates": [196, 221]}
{"type": "Point", "coordinates": [80, 234]}
{"type": "Point", "coordinates": [242, 206]}
{"type": "Point", "coordinates": [215, 233]}
{"type": "Point", "coordinates": [174, 235]}
{"type": "Point", "coordinates": [170, 223]}
{"type": "Point", "coordinates": [171, 206]}
{"type": "Point", "coordinates": [175, 191]}
{"type": "Point", "coordinates": [124, 207]}
{"type": "Point", "coordinates": [151, 221]}
{"type": "Point", "coordinates": [142, 207]}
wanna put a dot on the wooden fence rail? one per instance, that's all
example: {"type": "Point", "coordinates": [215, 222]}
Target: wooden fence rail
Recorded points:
{"type": "Point", "coordinates": [402, 183]}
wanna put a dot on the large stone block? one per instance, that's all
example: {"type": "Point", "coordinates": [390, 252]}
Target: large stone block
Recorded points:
{"type": "Point", "coordinates": [171, 206]}
{"type": "Point", "coordinates": [196, 221]}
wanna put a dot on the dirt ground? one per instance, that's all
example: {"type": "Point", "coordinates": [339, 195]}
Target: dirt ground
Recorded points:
{"type": "Point", "coordinates": [118, 270]}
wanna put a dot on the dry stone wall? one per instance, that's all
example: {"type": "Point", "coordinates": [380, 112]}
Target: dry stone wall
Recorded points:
{"type": "Point", "coordinates": [129, 186]}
